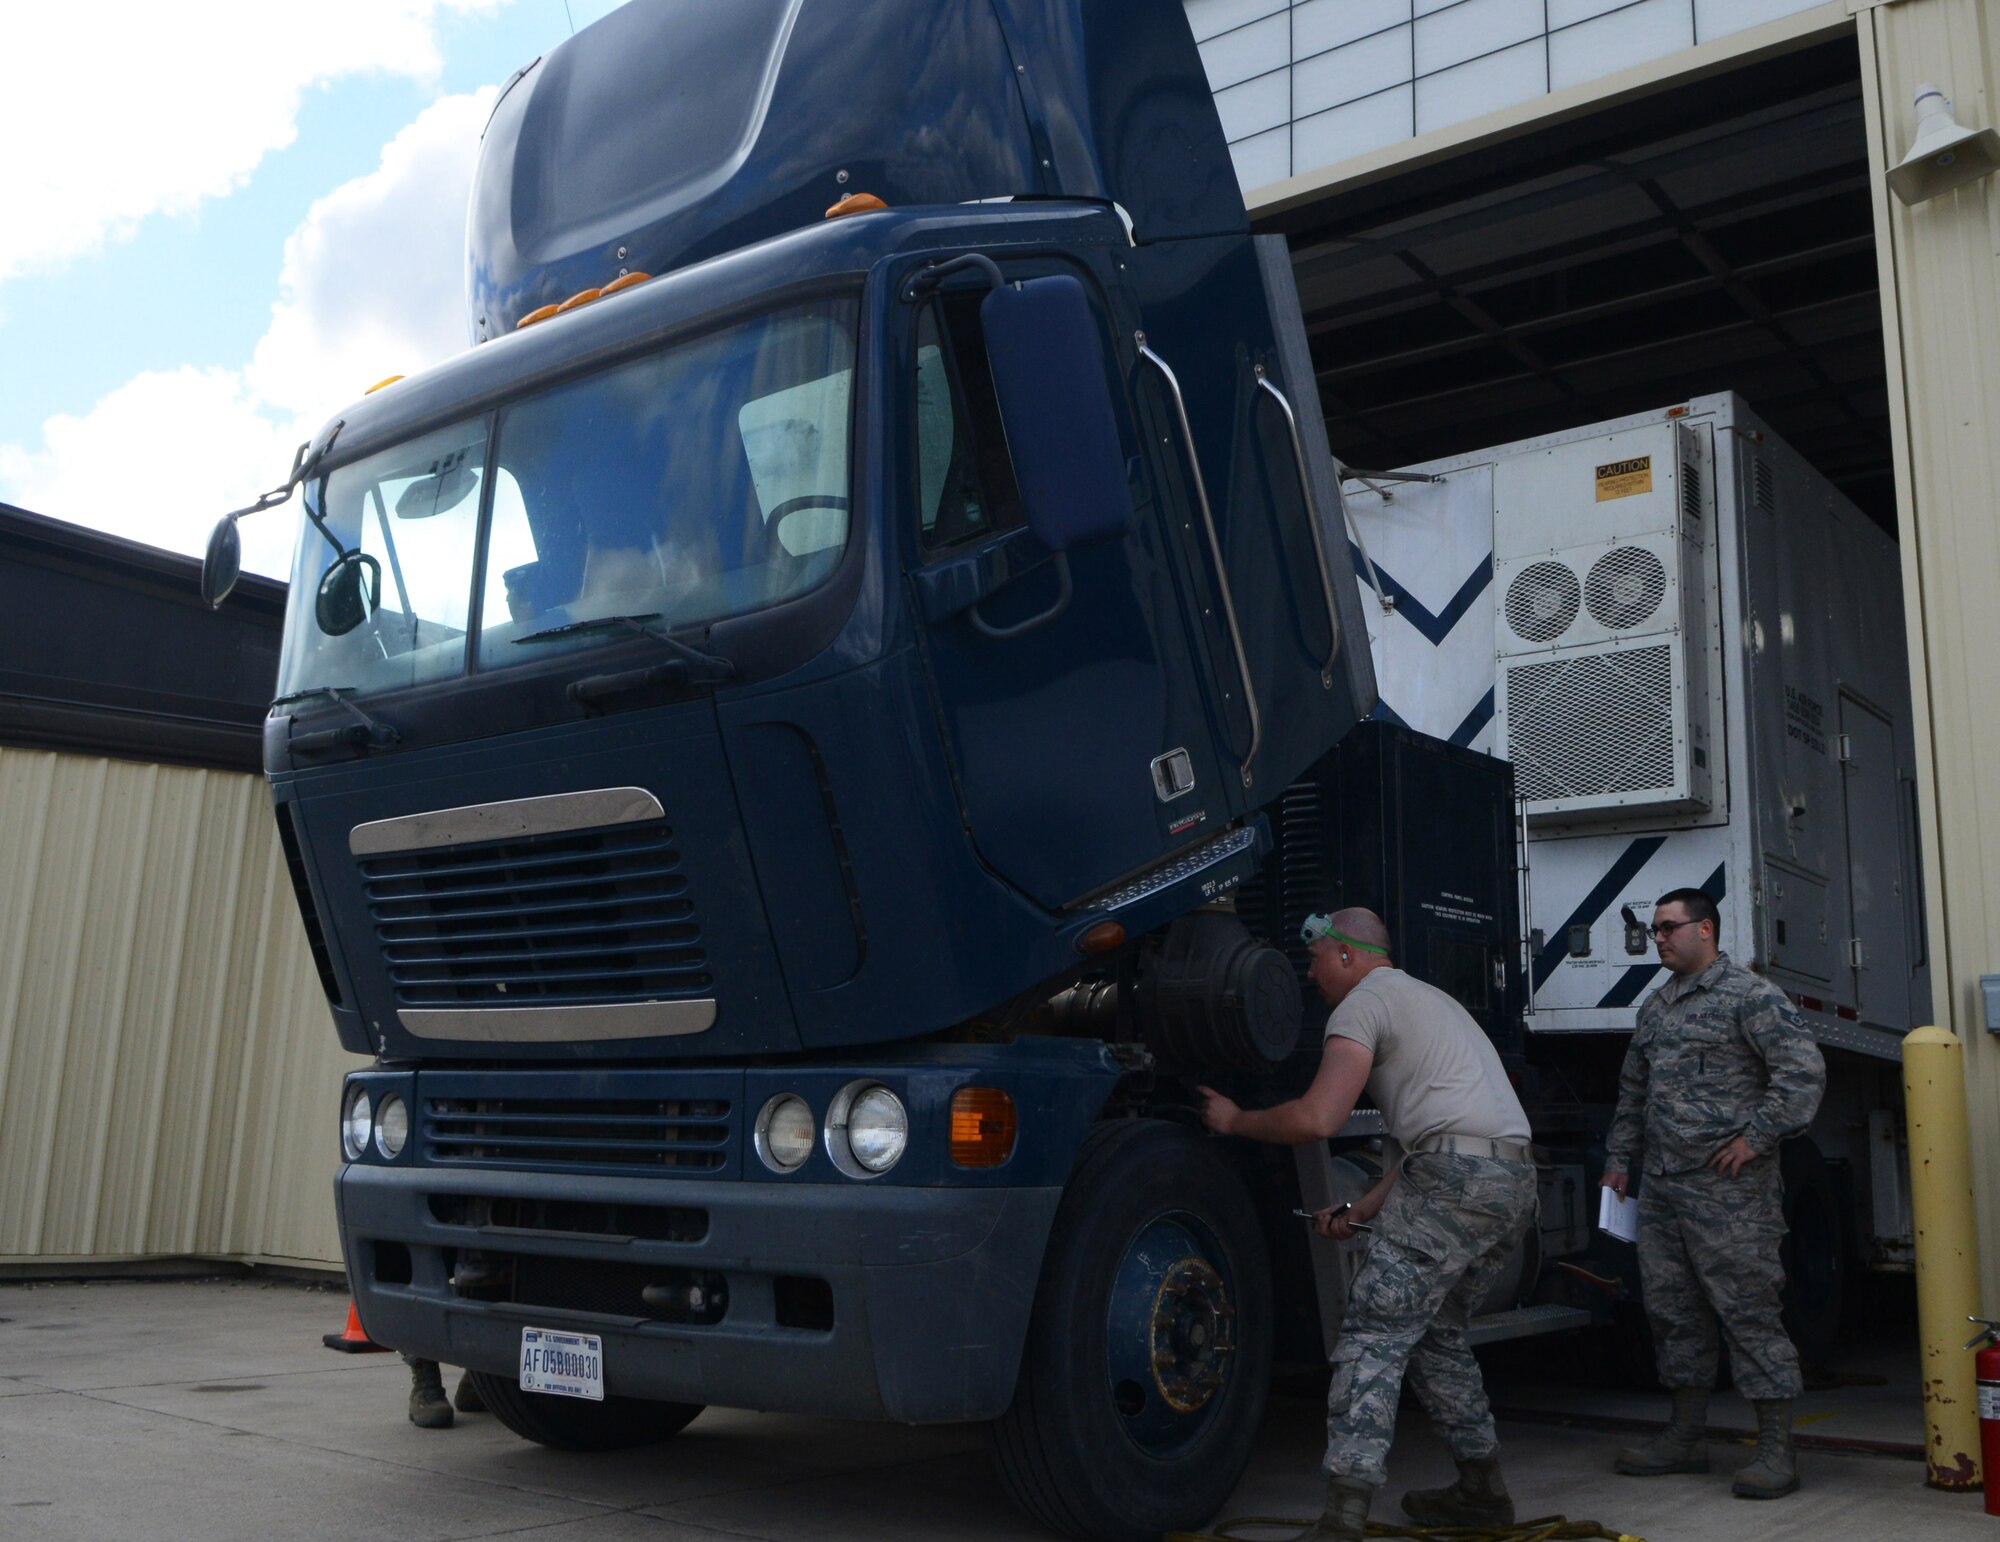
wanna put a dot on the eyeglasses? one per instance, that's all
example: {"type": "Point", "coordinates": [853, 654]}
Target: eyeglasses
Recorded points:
{"type": "Point", "coordinates": [1668, 928]}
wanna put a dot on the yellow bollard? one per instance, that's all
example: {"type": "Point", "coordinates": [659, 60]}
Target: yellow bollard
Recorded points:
{"type": "Point", "coordinates": [1947, 1251]}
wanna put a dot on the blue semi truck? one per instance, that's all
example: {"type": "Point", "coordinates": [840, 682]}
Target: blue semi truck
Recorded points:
{"type": "Point", "coordinates": [799, 748]}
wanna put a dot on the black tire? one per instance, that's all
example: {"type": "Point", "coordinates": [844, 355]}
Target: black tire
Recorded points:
{"type": "Point", "coordinates": [575, 1424]}
{"type": "Point", "coordinates": [1092, 1455]}
{"type": "Point", "coordinates": [1815, 1252]}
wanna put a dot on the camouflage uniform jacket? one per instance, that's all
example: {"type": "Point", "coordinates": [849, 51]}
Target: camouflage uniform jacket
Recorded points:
{"type": "Point", "coordinates": [1716, 1055]}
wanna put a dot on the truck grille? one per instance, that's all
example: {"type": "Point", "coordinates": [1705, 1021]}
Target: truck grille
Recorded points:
{"type": "Point", "coordinates": [590, 916]}
{"type": "Point", "coordinates": [692, 1136]}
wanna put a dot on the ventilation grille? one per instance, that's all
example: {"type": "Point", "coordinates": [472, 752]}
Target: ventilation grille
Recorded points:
{"type": "Point", "coordinates": [1594, 726]}
{"type": "Point", "coordinates": [597, 916]}
{"type": "Point", "coordinates": [1691, 505]}
{"type": "Point", "coordinates": [684, 1135]}
{"type": "Point", "coordinates": [1543, 601]}
{"type": "Point", "coordinates": [1625, 587]}
{"type": "Point", "coordinates": [1765, 488]}
{"type": "Point", "coordinates": [1295, 880]}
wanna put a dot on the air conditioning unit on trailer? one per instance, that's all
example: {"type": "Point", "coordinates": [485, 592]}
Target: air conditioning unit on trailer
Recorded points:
{"type": "Point", "coordinates": [1604, 581]}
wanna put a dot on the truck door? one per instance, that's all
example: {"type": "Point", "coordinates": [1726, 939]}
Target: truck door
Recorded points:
{"type": "Point", "coordinates": [1065, 689]}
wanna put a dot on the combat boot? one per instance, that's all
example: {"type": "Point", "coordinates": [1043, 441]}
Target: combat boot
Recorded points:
{"type": "Point", "coordinates": [1346, 1515]}
{"type": "Point", "coordinates": [1681, 1447]}
{"type": "Point", "coordinates": [429, 1409]}
{"type": "Point", "coordinates": [1775, 1473]}
{"type": "Point", "coordinates": [1478, 1498]}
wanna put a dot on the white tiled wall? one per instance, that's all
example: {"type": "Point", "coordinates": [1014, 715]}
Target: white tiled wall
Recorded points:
{"type": "Point", "coordinates": [1303, 84]}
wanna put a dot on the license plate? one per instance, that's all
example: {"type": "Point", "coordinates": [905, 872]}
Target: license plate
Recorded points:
{"type": "Point", "coordinates": [566, 1364]}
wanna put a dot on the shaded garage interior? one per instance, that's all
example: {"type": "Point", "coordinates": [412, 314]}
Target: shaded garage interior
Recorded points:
{"type": "Point", "coordinates": [1713, 236]}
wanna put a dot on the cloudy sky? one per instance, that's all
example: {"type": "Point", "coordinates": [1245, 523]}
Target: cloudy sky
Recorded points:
{"type": "Point", "coordinates": [224, 219]}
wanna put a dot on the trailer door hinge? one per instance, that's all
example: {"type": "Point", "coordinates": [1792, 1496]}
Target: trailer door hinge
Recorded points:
{"type": "Point", "coordinates": [1857, 956]}
{"type": "Point", "coordinates": [1846, 742]}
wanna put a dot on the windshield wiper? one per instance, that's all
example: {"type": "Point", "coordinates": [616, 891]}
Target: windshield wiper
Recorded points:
{"type": "Point", "coordinates": [369, 733]}
{"type": "Point", "coordinates": [701, 668]}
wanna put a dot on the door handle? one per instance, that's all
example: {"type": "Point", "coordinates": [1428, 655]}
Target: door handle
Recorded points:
{"type": "Point", "coordinates": [1312, 524]}
{"type": "Point", "coordinates": [1214, 549]}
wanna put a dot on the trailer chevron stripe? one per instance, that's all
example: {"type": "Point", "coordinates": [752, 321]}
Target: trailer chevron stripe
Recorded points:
{"type": "Point", "coordinates": [1639, 976]}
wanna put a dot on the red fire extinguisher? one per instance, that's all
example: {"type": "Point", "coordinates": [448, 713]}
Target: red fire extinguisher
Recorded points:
{"type": "Point", "coordinates": [1987, 1368]}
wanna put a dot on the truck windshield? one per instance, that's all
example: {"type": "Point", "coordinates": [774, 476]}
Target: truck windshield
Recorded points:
{"type": "Point", "coordinates": [704, 481]}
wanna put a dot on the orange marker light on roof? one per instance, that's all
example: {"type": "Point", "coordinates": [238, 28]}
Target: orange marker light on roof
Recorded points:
{"type": "Point", "coordinates": [389, 381]}
{"type": "Point", "coordinates": [534, 316]}
{"type": "Point", "coordinates": [624, 281]}
{"type": "Point", "coordinates": [581, 297]}
{"type": "Point", "coordinates": [856, 203]}
{"type": "Point", "coordinates": [983, 1127]}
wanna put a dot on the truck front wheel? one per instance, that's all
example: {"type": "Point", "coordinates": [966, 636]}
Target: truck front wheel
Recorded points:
{"type": "Point", "coordinates": [1149, 1353]}
{"type": "Point", "coordinates": [573, 1424]}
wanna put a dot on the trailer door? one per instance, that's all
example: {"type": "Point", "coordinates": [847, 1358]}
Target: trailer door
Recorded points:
{"type": "Point", "coordinates": [1878, 952]}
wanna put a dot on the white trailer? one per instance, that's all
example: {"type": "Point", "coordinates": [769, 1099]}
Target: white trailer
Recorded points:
{"type": "Point", "coordinates": [1690, 646]}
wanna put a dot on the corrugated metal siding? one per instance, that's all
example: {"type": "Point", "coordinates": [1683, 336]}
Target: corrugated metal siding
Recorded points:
{"type": "Point", "coordinates": [168, 1075]}
{"type": "Point", "coordinates": [1941, 308]}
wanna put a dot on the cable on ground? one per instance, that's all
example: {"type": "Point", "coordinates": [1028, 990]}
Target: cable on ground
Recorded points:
{"type": "Point", "coordinates": [1549, 1528]}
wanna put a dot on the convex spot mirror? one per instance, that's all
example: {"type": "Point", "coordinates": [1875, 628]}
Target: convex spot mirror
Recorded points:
{"type": "Point", "coordinates": [1055, 398]}
{"type": "Point", "coordinates": [442, 490]}
{"type": "Point", "coordinates": [349, 593]}
{"type": "Point", "coordinates": [222, 563]}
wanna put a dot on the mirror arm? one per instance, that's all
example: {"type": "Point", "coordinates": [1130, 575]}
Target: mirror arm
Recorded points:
{"type": "Point", "coordinates": [1064, 590]}
{"type": "Point", "coordinates": [928, 278]}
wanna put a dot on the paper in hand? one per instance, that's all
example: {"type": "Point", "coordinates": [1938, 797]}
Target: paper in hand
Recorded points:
{"type": "Point", "coordinates": [1618, 1217]}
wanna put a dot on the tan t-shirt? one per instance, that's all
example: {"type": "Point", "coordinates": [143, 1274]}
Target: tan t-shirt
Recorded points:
{"type": "Point", "coordinates": [1435, 1072]}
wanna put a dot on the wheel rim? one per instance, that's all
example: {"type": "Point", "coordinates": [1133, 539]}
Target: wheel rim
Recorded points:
{"type": "Point", "coordinates": [1170, 1333]}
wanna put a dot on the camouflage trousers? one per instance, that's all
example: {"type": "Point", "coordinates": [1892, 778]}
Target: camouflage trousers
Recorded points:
{"type": "Point", "coordinates": [1708, 1260]}
{"type": "Point", "coordinates": [1440, 1243]}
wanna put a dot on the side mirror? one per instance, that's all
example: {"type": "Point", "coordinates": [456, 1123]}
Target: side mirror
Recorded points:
{"type": "Point", "coordinates": [349, 593]}
{"type": "Point", "coordinates": [222, 564]}
{"type": "Point", "coordinates": [1055, 399]}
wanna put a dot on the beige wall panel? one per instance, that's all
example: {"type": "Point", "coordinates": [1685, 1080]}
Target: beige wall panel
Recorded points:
{"type": "Point", "coordinates": [1941, 284]}
{"type": "Point", "coordinates": [168, 1075]}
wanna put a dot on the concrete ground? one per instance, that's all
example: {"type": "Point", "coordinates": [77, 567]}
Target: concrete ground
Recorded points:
{"type": "Point", "coordinates": [210, 1410]}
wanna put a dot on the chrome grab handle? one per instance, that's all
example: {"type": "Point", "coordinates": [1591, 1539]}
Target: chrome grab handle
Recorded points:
{"type": "Point", "coordinates": [1312, 524]}
{"type": "Point", "coordinates": [1214, 548]}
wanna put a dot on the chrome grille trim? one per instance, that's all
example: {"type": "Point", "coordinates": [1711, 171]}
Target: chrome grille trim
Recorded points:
{"type": "Point", "coordinates": [546, 1025]}
{"type": "Point", "coordinates": [512, 820]}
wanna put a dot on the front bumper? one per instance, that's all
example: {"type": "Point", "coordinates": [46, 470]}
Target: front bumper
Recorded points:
{"type": "Point", "coordinates": [929, 1289]}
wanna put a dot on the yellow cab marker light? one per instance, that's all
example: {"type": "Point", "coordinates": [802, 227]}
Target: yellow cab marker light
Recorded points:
{"type": "Point", "coordinates": [580, 298]}
{"type": "Point", "coordinates": [391, 380]}
{"type": "Point", "coordinates": [856, 203]}
{"type": "Point", "coordinates": [624, 281]}
{"type": "Point", "coordinates": [534, 316]}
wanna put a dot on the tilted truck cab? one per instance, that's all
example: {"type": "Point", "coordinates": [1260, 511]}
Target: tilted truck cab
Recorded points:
{"type": "Point", "coordinates": [765, 738]}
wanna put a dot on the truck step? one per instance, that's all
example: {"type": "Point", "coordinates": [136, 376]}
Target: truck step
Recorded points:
{"type": "Point", "coordinates": [1525, 1322]}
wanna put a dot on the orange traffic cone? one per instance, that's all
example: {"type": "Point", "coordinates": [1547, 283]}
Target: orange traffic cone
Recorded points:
{"type": "Point", "coordinates": [353, 1339]}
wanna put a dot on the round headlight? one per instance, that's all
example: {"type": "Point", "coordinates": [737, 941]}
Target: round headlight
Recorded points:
{"type": "Point", "coordinates": [785, 1133]}
{"type": "Point", "coordinates": [355, 1124]}
{"type": "Point", "coordinates": [392, 1127]}
{"type": "Point", "coordinates": [877, 1129]}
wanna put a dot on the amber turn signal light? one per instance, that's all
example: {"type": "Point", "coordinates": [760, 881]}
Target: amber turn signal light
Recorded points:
{"type": "Point", "coordinates": [856, 203]}
{"type": "Point", "coordinates": [983, 1126]}
{"type": "Point", "coordinates": [1101, 938]}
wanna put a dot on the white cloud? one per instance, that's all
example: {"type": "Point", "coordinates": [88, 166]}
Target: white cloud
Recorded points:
{"type": "Point", "coordinates": [141, 108]}
{"type": "Point", "coordinates": [374, 280]}
{"type": "Point", "coordinates": [372, 285]}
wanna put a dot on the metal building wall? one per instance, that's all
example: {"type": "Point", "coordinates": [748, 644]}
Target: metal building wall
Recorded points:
{"type": "Point", "coordinates": [1941, 308]}
{"type": "Point", "coordinates": [168, 1076]}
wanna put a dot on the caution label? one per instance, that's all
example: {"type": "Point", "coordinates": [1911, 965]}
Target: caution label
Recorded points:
{"type": "Point", "coordinates": [1623, 478]}
{"type": "Point", "coordinates": [1989, 1400]}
